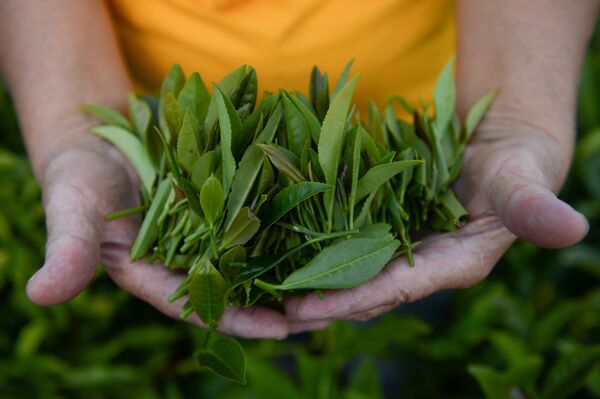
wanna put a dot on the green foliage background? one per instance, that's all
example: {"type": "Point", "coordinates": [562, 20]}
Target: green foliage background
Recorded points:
{"type": "Point", "coordinates": [530, 330]}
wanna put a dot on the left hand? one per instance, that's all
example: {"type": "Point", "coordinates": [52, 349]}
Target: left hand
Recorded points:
{"type": "Point", "coordinates": [512, 171]}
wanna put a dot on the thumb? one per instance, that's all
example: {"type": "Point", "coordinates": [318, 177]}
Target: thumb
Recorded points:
{"type": "Point", "coordinates": [526, 205]}
{"type": "Point", "coordinates": [73, 246]}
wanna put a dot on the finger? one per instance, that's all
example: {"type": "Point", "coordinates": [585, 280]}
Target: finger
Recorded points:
{"type": "Point", "coordinates": [444, 261]}
{"type": "Point", "coordinates": [73, 247]}
{"type": "Point", "coordinates": [530, 210]}
{"type": "Point", "coordinates": [154, 283]}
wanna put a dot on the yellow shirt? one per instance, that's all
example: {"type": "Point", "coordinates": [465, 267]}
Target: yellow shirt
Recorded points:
{"type": "Point", "coordinates": [399, 46]}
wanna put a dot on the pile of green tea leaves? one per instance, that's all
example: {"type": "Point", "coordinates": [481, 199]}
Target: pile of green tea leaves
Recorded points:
{"type": "Point", "coordinates": [294, 193]}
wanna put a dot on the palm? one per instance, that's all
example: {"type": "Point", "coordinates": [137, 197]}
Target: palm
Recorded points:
{"type": "Point", "coordinates": [505, 184]}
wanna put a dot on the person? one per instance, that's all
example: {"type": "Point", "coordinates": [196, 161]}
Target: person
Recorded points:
{"type": "Point", "coordinates": [57, 55]}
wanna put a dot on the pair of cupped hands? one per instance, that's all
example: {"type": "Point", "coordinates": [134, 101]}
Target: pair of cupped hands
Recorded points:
{"type": "Point", "coordinates": [512, 170]}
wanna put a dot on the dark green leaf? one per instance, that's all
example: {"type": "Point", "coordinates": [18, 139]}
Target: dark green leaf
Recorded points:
{"type": "Point", "coordinates": [226, 358]}
{"type": "Point", "coordinates": [243, 227]}
{"type": "Point", "coordinates": [296, 126]}
{"type": "Point", "coordinates": [282, 161]}
{"type": "Point", "coordinates": [289, 198]}
{"type": "Point", "coordinates": [208, 294]}
{"type": "Point", "coordinates": [569, 373]}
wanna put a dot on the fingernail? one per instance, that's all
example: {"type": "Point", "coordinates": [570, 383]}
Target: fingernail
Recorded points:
{"type": "Point", "coordinates": [34, 275]}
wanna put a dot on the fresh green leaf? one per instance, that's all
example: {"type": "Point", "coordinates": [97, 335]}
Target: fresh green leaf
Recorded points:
{"type": "Point", "coordinates": [331, 139]}
{"type": "Point", "coordinates": [208, 294]}
{"type": "Point", "coordinates": [248, 169]}
{"type": "Point", "coordinates": [141, 115]}
{"type": "Point", "coordinates": [444, 97]}
{"type": "Point", "coordinates": [477, 112]}
{"type": "Point", "coordinates": [133, 149]}
{"type": "Point", "coordinates": [188, 150]}
{"type": "Point", "coordinates": [203, 168]}
{"type": "Point", "coordinates": [194, 95]}
{"type": "Point", "coordinates": [212, 199]}
{"type": "Point", "coordinates": [174, 82]}
{"type": "Point", "coordinates": [343, 265]}
{"type": "Point", "coordinates": [379, 174]}
{"type": "Point", "coordinates": [230, 126]}
{"type": "Point", "coordinates": [108, 116]}
{"type": "Point", "coordinates": [149, 229]}
{"type": "Point", "coordinates": [342, 80]}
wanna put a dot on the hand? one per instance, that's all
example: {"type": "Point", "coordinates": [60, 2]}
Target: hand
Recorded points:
{"type": "Point", "coordinates": [81, 185]}
{"type": "Point", "coordinates": [512, 170]}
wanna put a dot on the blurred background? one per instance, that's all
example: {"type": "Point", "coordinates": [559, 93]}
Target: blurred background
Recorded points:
{"type": "Point", "coordinates": [531, 330]}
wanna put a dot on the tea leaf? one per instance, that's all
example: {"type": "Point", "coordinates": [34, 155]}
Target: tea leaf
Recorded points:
{"type": "Point", "coordinates": [194, 95]}
{"type": "Point", "coordinates": [355, 170]}
{"type": "Point", "coordinates": [225, 358]}
{"type": "Point", "coordinates": [476, 113]}
{"type": "Point", "coordinates": [208, 291]}
{"type": "Point", "coordinates": [133, 149]}
{"type": "Point", "coordinates": [342, 80]}
{"type": "Point", "coordinates": [319, 92]}
{"type": "Point", "coordinates": [149, 229]}
{"type": "Point", "coordinates": [203, 168]}
{"type": "Point", "coordinates": [248, 169]}
{"type": "Point", "coordinates": [288, 198]}
{"type": "Point", "coordinates": [263, 264]}
{"type": "Point", "coordinates": [312, 122]}
{"type": "Point", "coordinates": [332, 139]}
{"type": "Point", "coordinates": [174, 81]}
{"type": "Point", "coordinates": [140, 114]}
{"type": "Point", "coordinates": [212, 199]}
{"type": "Point", "coordinates": [332, 132]}
{"type": "Point", "coordinates": [379, 174]}
{"type": "Point", "coordinates": [230, 125]}
{"type": "Point", "coordinates": [296, 126]}
{"type": "Point", "coordinates": [343, 265]}
{"type": "Point", "coordinates": [243, 227]}
{"type": "Point", "coordinates": [444, 97]}
{"type": "Point", "coordinates": [170, 117]}
{"type": "Point", "coordinates": [107, 115]}
{"type": "Point", "coordinates": [188, 150]}
{"type": "Point", "coordinates": [282, 162]}
{"type": "Point", "coordinates": [235, 254]}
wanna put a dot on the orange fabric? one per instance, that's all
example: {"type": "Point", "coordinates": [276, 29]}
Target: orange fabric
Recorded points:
{"type": "Point", "coordinates": [399, 46]}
